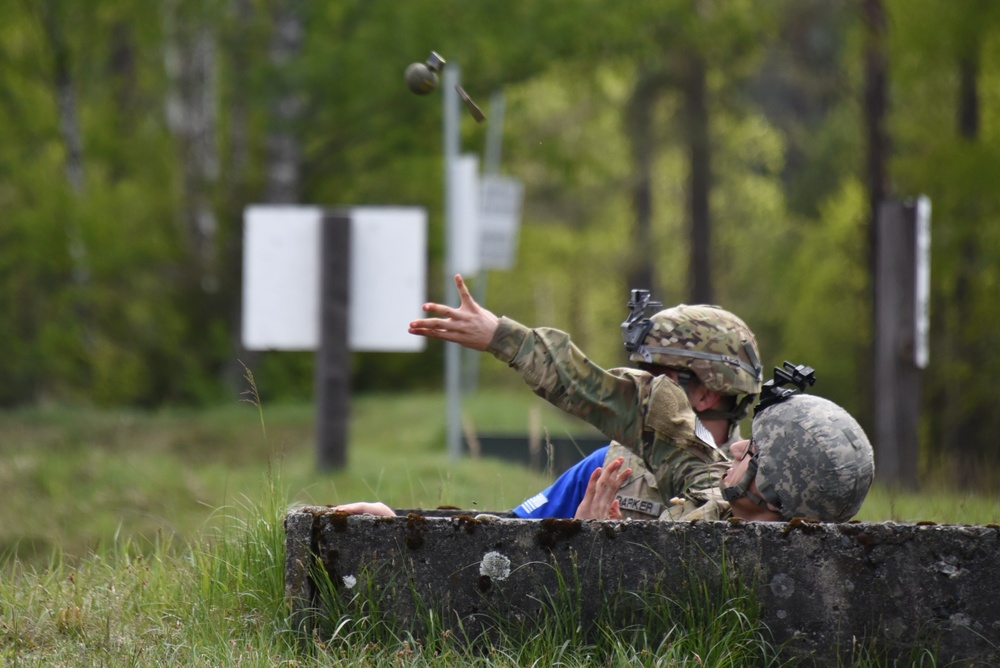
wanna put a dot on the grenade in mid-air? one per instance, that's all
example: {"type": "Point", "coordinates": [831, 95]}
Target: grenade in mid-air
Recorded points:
{"type": "Point", "coordinates": [422, 78]}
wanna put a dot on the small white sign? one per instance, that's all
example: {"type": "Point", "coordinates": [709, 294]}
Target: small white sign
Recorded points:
{"type": "Point", "coordinates": [921, 348]}
{"type": "Point", "coordinates": [281, 277]}
{"type": "Point", "coordinates": [463, 234]}
{"type": "Point", "coordinates": [500, 220]}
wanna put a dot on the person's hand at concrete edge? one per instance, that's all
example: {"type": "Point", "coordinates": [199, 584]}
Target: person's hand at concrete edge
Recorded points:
{"type": "Point", "coordinates": [366, 508]}
{"type": "Point", "coordinates": [599, 501]}
{"type": "Point", "coordinates": [469, 325]}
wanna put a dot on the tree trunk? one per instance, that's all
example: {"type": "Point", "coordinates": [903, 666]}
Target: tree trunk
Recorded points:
{"type": "Point", "coordinates": [875, 111]}
{"type": "Point", "coordinates": [968, 97]}
{"type": "Point", "coordinates": [284, 152]}
{"type": "Point", "coordinates": [69, 129]}
{"type": "Point", "coordinates": [696, 121]}
{"type": "Point", "coordinates": [962, 432]}
{"type": "Point", "coordinates": [639, 130]}
{"type": "Point", "coordinates": [239, 46]}
{"type": "Point", "coordinates": [125, 81]}
{"type": "Point", "coordinates": [191, 116]}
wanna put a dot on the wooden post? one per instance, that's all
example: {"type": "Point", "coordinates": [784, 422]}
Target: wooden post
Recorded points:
{"type": "Point", "coordinates": [899, 348]}
{"type": "Point", "coordinates": [332, 355]}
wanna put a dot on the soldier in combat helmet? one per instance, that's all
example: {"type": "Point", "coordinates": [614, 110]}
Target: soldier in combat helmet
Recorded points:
{"type": "Point", "coordinates": [808, 457]}
{"type": "Point", "coordinates": [713, 356]}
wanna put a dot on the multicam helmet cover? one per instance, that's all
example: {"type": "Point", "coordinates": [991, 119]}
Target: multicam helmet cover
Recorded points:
{"type": "Point", "coordinates": [715, 345]}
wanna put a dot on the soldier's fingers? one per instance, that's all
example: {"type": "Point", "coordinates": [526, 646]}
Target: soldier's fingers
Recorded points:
{"type": "Point", "coordinates": [442, 310]}
{"type": "Point", "coordinates": [593, 483]}
{"type": "Point", "coordinates": [583, 511]}
{"type": "Point", "coordinates": [624, 476]}
{"type": "Point", "coordinates": [615, 464]}
{"type": "Point", "coordinates": [436, 333]}
{"type": "Point", "coordinates": [463, 293]}
{"type": "Point", "coordinates": [423, 331]}
{"type": "Point", "coordinates": [432, 324]}
{"type": "Point", "coordinates": [610, 475]}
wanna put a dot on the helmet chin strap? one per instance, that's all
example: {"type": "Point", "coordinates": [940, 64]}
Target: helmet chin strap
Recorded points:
{"type": "Point", "coordinates": [742, 488]}
{"type": "Point", "coordinates": [738, 412]}
{"type": "Point", "coordinates": [732, 416]}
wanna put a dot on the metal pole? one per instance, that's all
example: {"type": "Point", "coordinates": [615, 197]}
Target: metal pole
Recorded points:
{"type": "Point", "coordinates": [491, 165]}
{"type": "Point", "coordinates": [898, 373]}
{"type": "Point", "coordinates": [333, 357]}
{"type": "Point", "coordinates": [451, 77]}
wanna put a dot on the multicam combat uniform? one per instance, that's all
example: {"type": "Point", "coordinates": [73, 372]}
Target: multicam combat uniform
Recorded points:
{"type": "Point", "coordinates": [650, 415]}
{"type": "Point", "coordinates": [639, 497]}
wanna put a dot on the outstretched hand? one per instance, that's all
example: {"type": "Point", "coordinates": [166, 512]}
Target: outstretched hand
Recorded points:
{"type": "Point", "coordinates": [599, 501]}
{"type": "Point", "coordinates": [470, 324]}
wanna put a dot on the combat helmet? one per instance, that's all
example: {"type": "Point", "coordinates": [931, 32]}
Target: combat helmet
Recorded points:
{"type": "Point", "coordinates": [813, 460]}
{"type": "Point", "coordinates": [709, 341]}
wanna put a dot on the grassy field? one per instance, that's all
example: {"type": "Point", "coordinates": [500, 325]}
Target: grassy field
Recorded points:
{"type": "Point", "coordinates": [147, 538]}
{"type": "Point", "coordinates": [74, 479]}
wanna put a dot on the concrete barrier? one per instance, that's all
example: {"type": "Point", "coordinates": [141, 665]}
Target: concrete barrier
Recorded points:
{"type": "Point", "coordinates": [823, 589]}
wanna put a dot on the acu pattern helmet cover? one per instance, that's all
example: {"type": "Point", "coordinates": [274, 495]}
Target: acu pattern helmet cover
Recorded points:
{"type": "Point", "coordinates": [814, 460]}
{"type": "Point", "coordinates": [715, 345]}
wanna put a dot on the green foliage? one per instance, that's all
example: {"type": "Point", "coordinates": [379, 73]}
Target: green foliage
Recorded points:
{"type": "Point", "coordinates": [114, 295]}
{"type": "Point", "coordinates": [953, 166]}
{"type": "Point", "coordinates": [828, 285]}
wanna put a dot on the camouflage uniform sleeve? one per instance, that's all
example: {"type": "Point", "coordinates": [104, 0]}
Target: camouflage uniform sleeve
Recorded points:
{"type": "Point", "coordinates": [650, 416]}
{"type": "Point", "coordinates": [556, 370]}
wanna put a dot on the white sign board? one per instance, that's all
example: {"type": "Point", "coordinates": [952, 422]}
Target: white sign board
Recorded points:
{"type": "Point", "coordinates": [923, 284]}
{"type": "Point", "coordinates": [281, 277]}
{"type": "Point", "coordinates": [499, 220]}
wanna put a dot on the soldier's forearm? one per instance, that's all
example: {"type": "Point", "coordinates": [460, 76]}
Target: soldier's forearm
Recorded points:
{"type": "Point", "coordinates": [559, 372]}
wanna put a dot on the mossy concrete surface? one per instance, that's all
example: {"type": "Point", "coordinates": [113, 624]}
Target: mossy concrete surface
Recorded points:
{"type": "Point", "coordinates": [823, 590]}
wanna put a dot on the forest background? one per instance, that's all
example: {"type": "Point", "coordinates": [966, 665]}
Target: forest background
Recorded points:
{"type": "Point", "coordinates": [723, 152]}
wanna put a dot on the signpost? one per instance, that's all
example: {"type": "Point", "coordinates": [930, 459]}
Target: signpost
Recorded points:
{"type": "Point", "coordinates": [499, 221]}
{"type": "Point", "coordinates": [333, 281]}
{"type": "Point", "coordinates": [901, 326]}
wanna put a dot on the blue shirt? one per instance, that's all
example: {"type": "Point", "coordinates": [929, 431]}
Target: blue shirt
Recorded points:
{"type": "Point", "coordinates": [561, 498]}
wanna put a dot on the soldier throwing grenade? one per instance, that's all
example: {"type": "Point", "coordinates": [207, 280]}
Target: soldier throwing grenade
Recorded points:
{"type": "Point", "coordinates": [808, 457]}
{"type": "Point", "coordinates": [713, 356]}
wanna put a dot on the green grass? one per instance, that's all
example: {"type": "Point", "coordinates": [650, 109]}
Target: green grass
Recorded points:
{"type": "Point", "coordinates": [933, 504]}
{"type": "Point", "coordinates": [144, 539]}
{"type": "Point", "coordinates": [74, 479]}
